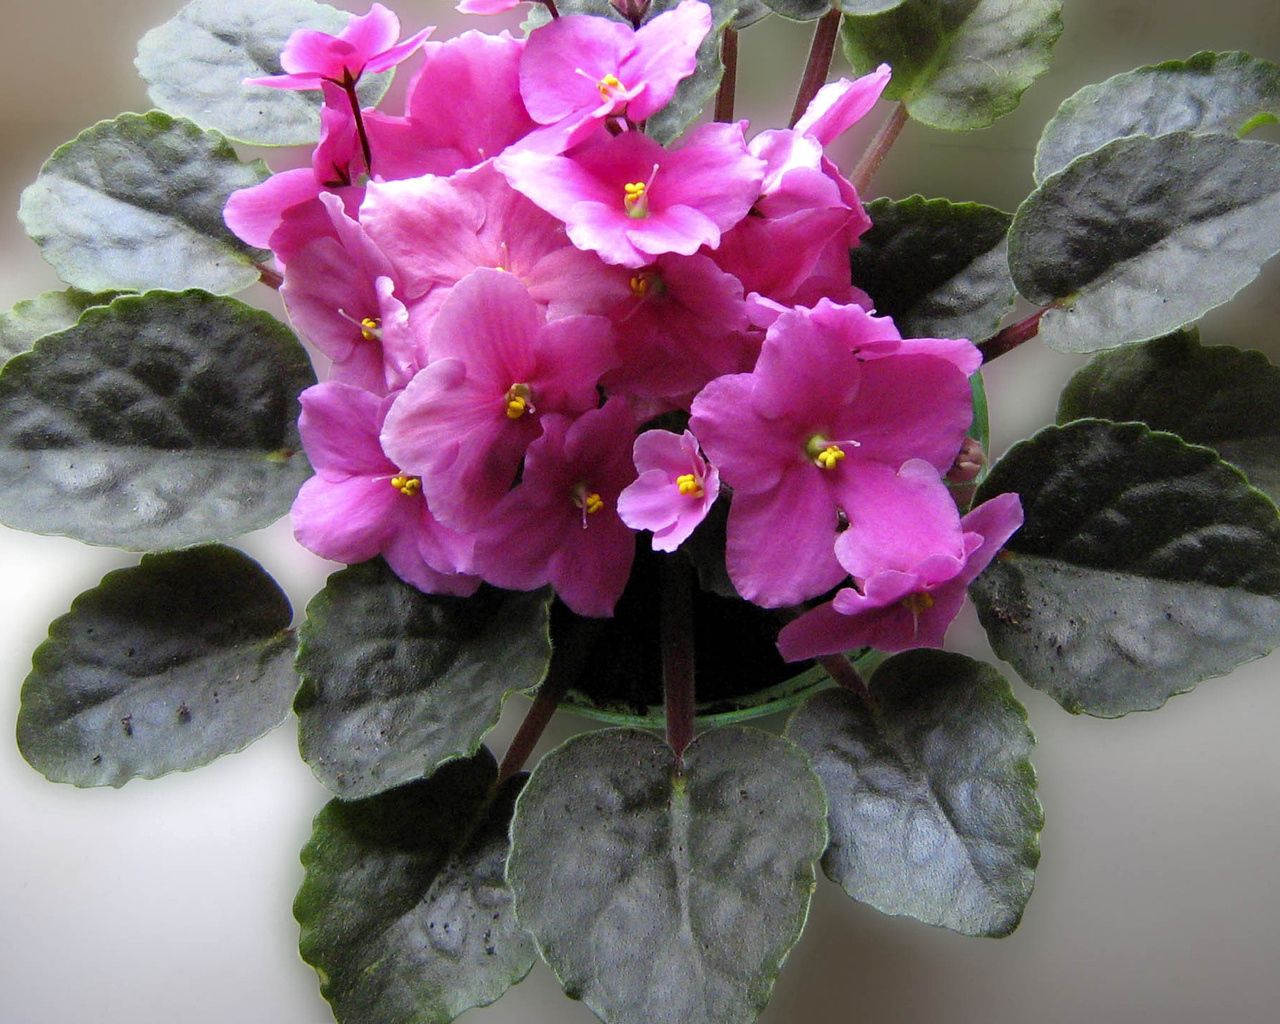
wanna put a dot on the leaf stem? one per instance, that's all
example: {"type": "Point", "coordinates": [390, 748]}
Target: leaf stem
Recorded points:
{"type": "Point", "coordinates": [551, 7]}
{"type": "Point", "coordinates": [815, 72]}
{"type": "Point", "coordinates": [349, 87]}
{"type": "Point", "coordinates": [271, 278]}
{"type": "Point", "coordinates": [841, 669]}
{"type": "Point", "coordinates": [729, 83]}
{"type": "Point", "coordinates": [536, 720]}
{"type": "Point", "coordinates": [1012, 336]}
{"type": "Point", "coordinates": [884, 139]}
{"type": "Point", "coordinates": [677, 655]}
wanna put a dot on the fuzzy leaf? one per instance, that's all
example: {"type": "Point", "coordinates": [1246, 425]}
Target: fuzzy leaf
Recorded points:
{"type": "Point", "coordinates": [404, 911]}
{"type": "Point", "coordinates": [396, 682]}
{"type": "Point", "coordinates": [940, 269]}
{"type": "Point", "coordinates": [160, 421]}
{"type": "Point", "coordinates": [1143, 236]}
{"type": "Point", "coordinates": [957, 64]}
{"type": "Point", "coordinates": [800, 10]}
{"type": "Point", "coordinates": [136, 203]}
{"type": "Point", "coordinates": [1144, 566]}
{"type": "Point", "coordinates": [933, 809]}
{"type": "Point", "coordinates": [160, 668]}
{"type": "Point", "coordinates": [1221, 397]}
{"type": "Point", "coordinates": [229, 41]}
{"type": "Point", "coordinates": [1228, 93]}
{"type": "Point", "coordinates": [659, 896]}
{"type": "Point", "coordinates": [30, 320]}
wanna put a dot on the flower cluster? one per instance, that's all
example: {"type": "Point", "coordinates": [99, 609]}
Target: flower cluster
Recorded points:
{"type": "Point", "coordinates": [512, 279]}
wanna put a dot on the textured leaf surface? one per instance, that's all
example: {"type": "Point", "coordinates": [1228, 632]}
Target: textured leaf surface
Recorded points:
{"type": "Point", "coordinates": [160, 668]}
{"type": "Point", "coordinates": [1144, 566]}
{"type": "Point", "coordinates": [30, 320]}
{"type": "Point", "coordinates": [697, 90]}
{"type": "Point", "coordinates": [1226, 93]}
{"type": "Point", "coordinates": [933, 809]}
{"type": "Point", "coordinates": [1144, 235]}
{"type": "Point", "coordinates": [799, 10]}
{"type": "Point", "coordinates": [395, 682]}
{"type": "Point", "coordinates": [162, 420]}
{"type": "Point", "coordinates": [404, 911]}
{"type": "Point", "coordinates": [750, 12]}
{"type": "Point", "coordinates": [136, 203]}
{"type": "Point", "coordinates": [1221, 397]}
{"type": "Point", "coordinates": [660, 897]}
{"type": "Point", "coordinates": [195, 65]}
{"type": "Point", "coordinates": [957, 64]}
{"type": "Point", "coordinates": [940, 269]}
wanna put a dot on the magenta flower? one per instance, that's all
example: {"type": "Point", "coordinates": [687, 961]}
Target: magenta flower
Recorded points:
{"type": "Point", "coordinates": [367, 44]}
{"type": "Point", "coordinates": [907, 593]}
{"type": "Point", "coordinates": [629, 200]}
{"type": "Point", "coordinates": [560, 525]}
{"type": "Point", "coordinates": [497, 370]}
{"type": "Point", "coordinates": [834, 403]}
{"type": "Point", "coordinates": [360, 504]}
{"type": "Point", "coordinates": [580, 69]}
{"type": "Point", "coordinates": [674, 491]}
{"type": "Point", "coordinates": [487, 6]}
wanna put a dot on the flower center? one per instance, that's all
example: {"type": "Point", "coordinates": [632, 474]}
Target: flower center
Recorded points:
{"type": "Point", "coordinates": [644, 283]}
{"type": "Point", "coordinates": [588, 500]}
{"type": "Point", "coordinates": [409, 486]}
{"type": "Point", "coordinates": [918, 603]}
{"type": "Point", "coordinates": [689, 485]}
{"type": "Point", "coordinates": [635, 195]}
{"type": "Point", "coordinates": [609, 86]}
{"type": "Point", "coordinates": [826, 454]}
{"type": "Point", "coordinates": [371, 328]}
{"type": "Point", "coordinates": [518, 401]}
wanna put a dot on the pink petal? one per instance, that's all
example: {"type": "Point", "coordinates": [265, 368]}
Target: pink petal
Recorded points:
{"type": "Point", "coordinates": [665, 51]}
{"type": "Point", "coordinates": [254, 214]}
{"type": "Point", "coordinates": [840, 105]}
{"type": "Point", "coordinates": [339, 425]}
{"type": "Point", "coordinates": [550, 82]}
{"type": "Point", "coordinates": [345, 520]}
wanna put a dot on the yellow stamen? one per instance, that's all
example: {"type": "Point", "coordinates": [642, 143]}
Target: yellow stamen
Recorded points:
{"type": "Point", "coordinates": [689, 485]}
{"type": "Point", "coordinates": [409, 486]}
{"type": "Point", "coordinates": [635, 198]}
{"type": "Point", "coordinates": [919, 603]}
{"type": "Point", "coordinates": [607, 86]}
{"type": "Point", "coordinates": [371, 328]}
{"type": "Point", "coordinates": [829, 457]}
{"type": "Point", "coordinates": [639, 285]}
{"type": "Point", "coordinates": [518, 401]}
{"type": "Point", "coordinates": [593, 503]}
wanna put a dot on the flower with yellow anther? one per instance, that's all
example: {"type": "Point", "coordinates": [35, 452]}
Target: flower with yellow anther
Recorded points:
{"type": "Point", "coordinates": [371, 328]}
{"type": "Point", "coordinates": [593, 504]}
{"type": "Point", "coordinates": [518, 401]}
{"type": "Point", "coordinates": [690, 486]}
{"type": "Point", "coordinates": [635, 197]}
{"type": "Point", "coordinates": [918, 603]}
{"type": "Point", "coordinates": [608, 86]}
{"type": "Point", "coordinates": [409, 486]}
{"type": "Point", "coordinates": [825, 454]}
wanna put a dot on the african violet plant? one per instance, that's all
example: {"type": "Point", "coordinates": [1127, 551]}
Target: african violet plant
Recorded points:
{"type": "Point", "coordinates": [611, 392]}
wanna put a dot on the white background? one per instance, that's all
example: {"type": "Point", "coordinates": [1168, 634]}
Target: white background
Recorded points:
{"type": "Point", "coordinates": [170, 901]}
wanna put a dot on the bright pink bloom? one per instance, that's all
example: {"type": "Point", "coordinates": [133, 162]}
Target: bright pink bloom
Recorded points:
{"type": "Point", "coordinates": [497, 370]}
{"type": "Point", "coordinates": [675, 490]}
{"type": "Point", "coordinates": [907, 593]}
{"type": "Point", "coordinates": [487, 6]}
{"type": "Point", "coordinates": [367, 44]}
{"type": "Point", "coordinates": [340, 293]}
{"type": "Point", "coordinates": [560, 525]}
{"type": "Point", "coordinates": [629, 199]}
{"type": "Point", "coordinates": [836, 401]}
{"type": "Point", "coordinates": [360, 505]}
{"type": "Point", "coordinates": [579, 70]}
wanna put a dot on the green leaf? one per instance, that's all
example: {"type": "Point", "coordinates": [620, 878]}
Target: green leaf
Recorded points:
{"type": "Point", "coordinates": [136, 203]}
{"type": "Point", "coordinates": [957, 64]}
{"type": "Point", "coordinates": [660, 896]}
{"type": "Point", "coordinates": [160, 421]}
{"type": "Point", "coordinates": [160, 668]}
{"type": "Point", "coordinates": [694, 92]}
{"type": "Point", "coordinates": [1145, 565]}
{"type": "Point", "coordinates": [404, 911]}
{"type": "Point", "coordinates": [1226, 93]}
{"type": "Point", "coordinates": [749, 13]}
{"type": "Point", "coordinates": [229, 41]}
{"type": "Point", "coordinates": [31, 319]}
{"type": "Point", "coordinates": [1221, 397]}
{"type": "Point", "coordinates": [1143, 236]}
{"type": "Point", "coordinates": [933, 809]}
{"type": "Point", "coordinates": [868, 6]}
{"type": "Point", "coordinates": [800, 10]}
{"type": "Point", "coordinates": [940, 269]}
{"type": "Point", "coordinates": [396, 682]}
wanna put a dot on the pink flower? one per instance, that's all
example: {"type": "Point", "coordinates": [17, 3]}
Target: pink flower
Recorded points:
{"type": "Point", "coordinates": [579, 70]}
{"type": "Point", "coordinates": [487, 6]}
{"type": "Point", "coordinates": [911, 587]}
{"type": "Point", "coordinates": [497, 370]}
{"type": "Point", "coordinates": [367, 44]}
{"type": "Point", "coordinates": [674, 491]}
{"type": "Point", "coordinates": [360, 505]}
{"type": "Point", "coordinates": [560, 525]}
{"type": "Point", "coordinates": [815, 434]}
{"type": "Point", "coordinates": [629, 200]}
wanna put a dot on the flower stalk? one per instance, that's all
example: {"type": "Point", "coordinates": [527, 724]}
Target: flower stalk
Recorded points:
{"type": "Point", "coordinates": [815, 72]}
{"type": "Point", "coordinates": [1012, 336]}
{"type": "Point", "coordinates": [677, 656]}
{"type": "Point", "coordinates": [729, 82]}
{"type": "Point", "coordinates": [884, 139]}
